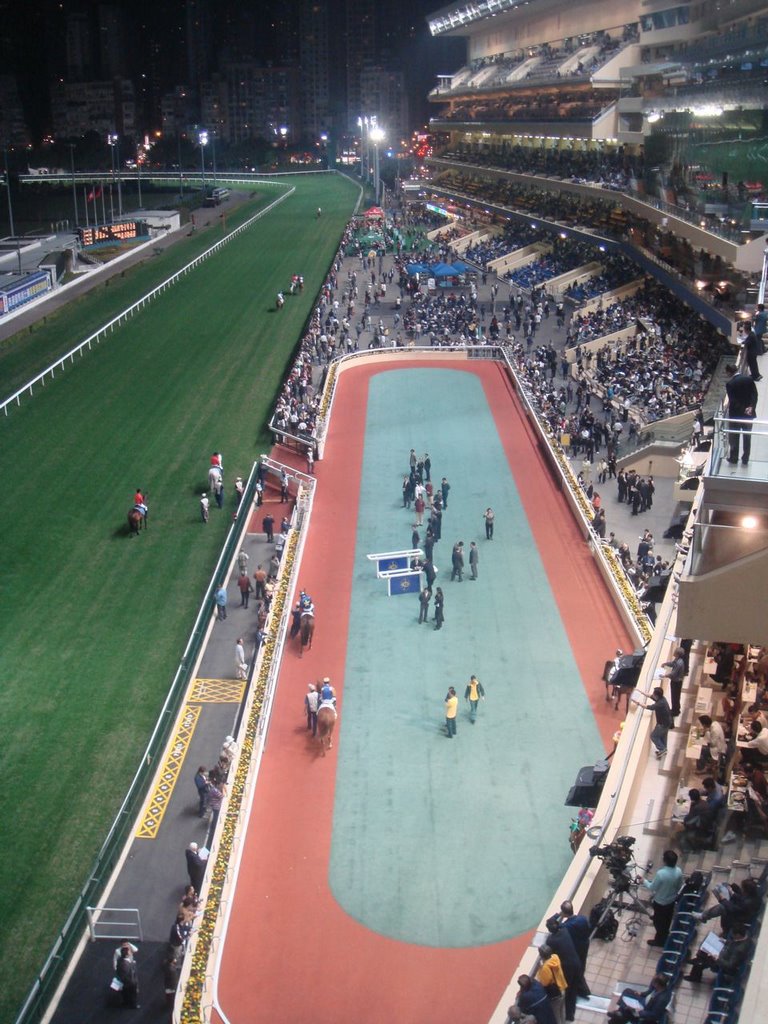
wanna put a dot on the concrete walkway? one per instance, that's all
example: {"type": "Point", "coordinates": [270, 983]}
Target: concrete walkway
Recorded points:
{"type": "Point", "coordinates": [153, 874]}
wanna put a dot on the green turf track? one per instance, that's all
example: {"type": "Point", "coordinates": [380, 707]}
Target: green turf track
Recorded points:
{"type": "Point", "coordinates": [28, 352]}
{"type": "Point", "coordinates": [92, 623]}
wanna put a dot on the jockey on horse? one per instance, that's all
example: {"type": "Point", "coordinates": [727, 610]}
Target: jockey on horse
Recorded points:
{"type": "Point", "coordinates": [140, 504]}
{"type": "Point", "coordinates": [327, 694]}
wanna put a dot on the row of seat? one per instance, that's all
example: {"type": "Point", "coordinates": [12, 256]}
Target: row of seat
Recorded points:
{"type": "Point", "coordinates": [728, 992]}
{"type": "Point", "coordinates": [678, 945]}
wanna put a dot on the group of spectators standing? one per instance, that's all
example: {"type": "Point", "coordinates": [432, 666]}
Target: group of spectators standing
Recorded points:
{"type": "Point", "coordinates": [664, 368]}
{"type": "Point", "coordinates": [549, 997]}
{"type": "Point", "coordinates": [124, 988]}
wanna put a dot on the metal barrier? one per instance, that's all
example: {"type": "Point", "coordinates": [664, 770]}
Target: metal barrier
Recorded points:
{"type": "Point", "coordinates": [198, 974]}
{"type": "Point", "coordinates": [136, 307]}
{"type": "Point", "coordinates": [111, 850]}
{"type": "Point", "coordinates": [114, 923]}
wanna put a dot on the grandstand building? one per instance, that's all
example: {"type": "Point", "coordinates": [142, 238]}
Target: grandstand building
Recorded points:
{"type": "Point", "coordinates": [637, 127]}
{"type": "Point", "coordinates": [661, 106]}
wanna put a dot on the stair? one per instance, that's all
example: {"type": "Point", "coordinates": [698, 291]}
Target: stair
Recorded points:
{"type": "Point", "coordinates": [673, 761]}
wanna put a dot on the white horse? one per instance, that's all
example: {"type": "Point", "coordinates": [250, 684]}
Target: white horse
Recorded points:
{"type": "Point", "coordinates": [214, 476]}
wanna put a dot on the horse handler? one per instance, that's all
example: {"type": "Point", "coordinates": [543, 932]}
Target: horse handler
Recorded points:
{"type": "Point", "coordinates": [311, 703]}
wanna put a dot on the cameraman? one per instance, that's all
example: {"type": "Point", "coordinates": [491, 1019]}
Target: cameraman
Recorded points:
{"type": "Point", "coordinates": [665, 885]}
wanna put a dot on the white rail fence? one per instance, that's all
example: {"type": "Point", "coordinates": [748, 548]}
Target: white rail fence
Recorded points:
{"type": "Point", "coordinates": [97, 337]}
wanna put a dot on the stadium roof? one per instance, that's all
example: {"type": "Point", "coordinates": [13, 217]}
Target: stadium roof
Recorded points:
{"type": "Point", "coordinates": [456, 16]}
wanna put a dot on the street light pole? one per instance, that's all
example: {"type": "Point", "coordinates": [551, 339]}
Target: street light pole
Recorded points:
{"type": "Point", "coordinates": [74, 189]}
{"type": "Point", "coordinates": [377, 136]}
{"type": "Point", "coordinates": [203, 140]}
{"type": "Point", "coordinates": [10, 207]}
{"type": "Point", "coordinates": [111, 141]}
{"type": "Point", "coordinates": [119, 185]}
{"type": "Point", "coordinates": [213, 155]}
{"type": "Point", "coordinates": [138, 171]}
{"type": "Point", "coordinates": [181, 173]}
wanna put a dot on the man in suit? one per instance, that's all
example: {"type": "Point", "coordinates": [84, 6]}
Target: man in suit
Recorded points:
{"type": "Point", "coordinates": [195, 867]}
{"type": "Point", "coordinates": [649, 1006]}
{"type": "Point", "coordinates": [752, 348]}
{"type": "Point", "coordinates": [742, 400]}
{"type": "Point", "coordinates": [759, 326]}
{"type": "Point", "coordinates": [578, 927]}
{"type": "Point", "coordinates": [561, 942]}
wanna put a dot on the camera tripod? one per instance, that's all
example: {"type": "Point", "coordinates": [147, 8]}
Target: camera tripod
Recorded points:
{"type": "Point", "coordinates": [621, 897]}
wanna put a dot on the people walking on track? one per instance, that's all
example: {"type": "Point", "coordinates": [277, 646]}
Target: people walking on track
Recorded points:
{"type": "Point", "coordinates": [488, 515]}
{"type": "Point", "coordinates": [451, 710]}
{"type": "Point", "coordinates": [474, 558]}
{"type": "Point", "coordinates": [474, 693]}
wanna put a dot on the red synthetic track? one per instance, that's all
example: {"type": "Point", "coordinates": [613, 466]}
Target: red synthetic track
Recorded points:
{"type": "Point", "coordinates": [291, 953]}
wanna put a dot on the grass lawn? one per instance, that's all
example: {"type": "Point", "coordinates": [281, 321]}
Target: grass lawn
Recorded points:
{"type": "Point", "coordinates": [91, 623]}
{"type": "Point", "coordinates": [28, 352]}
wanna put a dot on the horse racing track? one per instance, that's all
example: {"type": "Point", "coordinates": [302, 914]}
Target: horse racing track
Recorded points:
{"type": "Point", "coordinates": [399, 877]}
{"type": "Point", "coordinates": [92, 623]}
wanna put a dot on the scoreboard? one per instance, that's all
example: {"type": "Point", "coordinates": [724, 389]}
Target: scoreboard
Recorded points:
{"type": "Point", "coordinates": [122, 231]}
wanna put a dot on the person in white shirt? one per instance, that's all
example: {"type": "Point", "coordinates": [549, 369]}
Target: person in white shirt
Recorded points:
{"type": "Point", "coordinates": [714, 744]}
{"type": "Point", "coordinates": [757, 747]}
{"type": "Point", "coordinates": [241, 666]}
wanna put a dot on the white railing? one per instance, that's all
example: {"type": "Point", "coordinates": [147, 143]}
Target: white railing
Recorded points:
{"type": "Point", "coordinates": [136, 307]}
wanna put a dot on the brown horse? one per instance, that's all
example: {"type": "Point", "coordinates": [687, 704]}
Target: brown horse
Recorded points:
{"type": "Point", "coordinates": [136, 522]}
{"type": "Point", "coordinates": [326, 720]}
{"type": "Point", "coordinates": [307, 631]}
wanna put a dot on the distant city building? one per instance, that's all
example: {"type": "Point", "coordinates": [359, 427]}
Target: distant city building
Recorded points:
{"type": "Point", "coordinates": [79, 47]}
{"type": "Point", "coordinates": [383, 92]}
{"type": "Point", "coordinates": [261, 102]}
{"type": "Point", "coordinates": [112, 41]}
{"type": "Point", "coordinates": [81, 107]}
{"type": "Point", "coordinates": [214, 106]}
{"type": "Point", "coordinates": [178, 110]}
{"type": "Point", "coordinates": [315, 64]}
{"type": "Point", "coordinates": [199, 41]}
{"type": "Point", "coordinates": [13, 128]}
{"type": "Point", "coordinates": [362, 53]}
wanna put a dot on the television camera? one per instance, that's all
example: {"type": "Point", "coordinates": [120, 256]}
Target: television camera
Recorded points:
{"type": "Point", "coordinates": [619, 860]}
{"type": "Point", "coordinates": [625, 873]}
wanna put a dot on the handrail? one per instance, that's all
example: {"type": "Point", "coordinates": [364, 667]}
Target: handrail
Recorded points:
{"type": "Point", "coordinates": [167, 177]}
{"type": "Point", "coordinates": [135, 307]}
{"type": "Point", "coordinates": [622, 758]}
